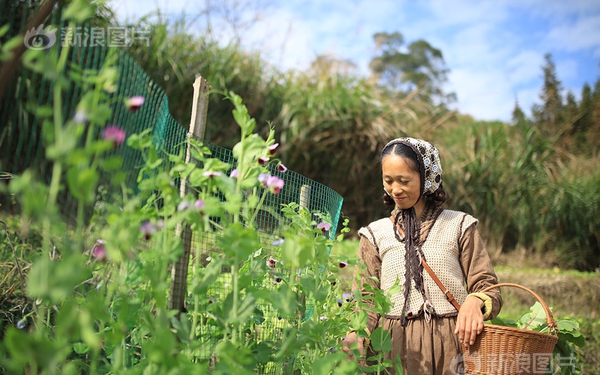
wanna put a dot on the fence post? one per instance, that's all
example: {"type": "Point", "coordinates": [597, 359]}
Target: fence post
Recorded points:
{"type": "Point", "coordinates": [197, 129]}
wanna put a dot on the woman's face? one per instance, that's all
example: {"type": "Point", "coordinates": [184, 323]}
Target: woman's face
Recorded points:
{"type": "Point", "coordinates": [401, 181]}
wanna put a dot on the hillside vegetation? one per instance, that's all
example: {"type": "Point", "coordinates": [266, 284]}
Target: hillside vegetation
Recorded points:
{"type": "Point", "coordinates": [534, 184]}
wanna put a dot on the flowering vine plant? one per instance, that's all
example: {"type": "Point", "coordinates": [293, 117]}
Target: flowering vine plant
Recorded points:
{"type": "Point", "coordinates": [98, 292]}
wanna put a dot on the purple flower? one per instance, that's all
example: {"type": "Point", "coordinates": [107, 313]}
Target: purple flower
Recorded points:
{"type": "Point", "coordinates": [147, 229]}
{"type": "Point", "coordinates": [347, 296]}
{"type": "Point", "coordinates": [134, 103]}
{"type": "Point", "coordinates": [339, 302]}
{"type": "Point", "coordinates": [262, 178]}
{"type": "Point", "coordinates": [99, 252]}
{"type": "Point", "coordinates": [343, 264]}
{"type": "Point", "coordinates": [199, 204]}
{"type": "Point", "coordinates": [281, 167]}
{"type": "Point", "coordinates": [234, 174]}
{"type": "Point", "coordinates": [323, 226]}
{"type": "Point", "coordinates": [276, 279]}
{"type": "Point", "coordinates": [278, 242]}
{"type": "Point", "coordinates": [211, 174]}
{"type": "Point", "coordinates": [183, 205]}
{"type": "Point", "coordinates": [271, 263]}
{"type": "Point", "coordinates": [263, 160]}
{"type": "Point", "coordinates": [114, 133]}
{"type": "Point", "coordinates": [273, 148]}
{"type": "Point", "coordinates": [22, 323]}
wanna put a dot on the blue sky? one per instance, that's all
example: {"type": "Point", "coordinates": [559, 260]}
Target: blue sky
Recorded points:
{"type": "Point", "coordinates": [493, 48]}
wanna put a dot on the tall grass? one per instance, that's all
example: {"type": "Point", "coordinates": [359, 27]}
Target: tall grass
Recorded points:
{"type": "Point", "coordinates": [524, 193]}
{"type": "Point", "coordinates": [528, 192]}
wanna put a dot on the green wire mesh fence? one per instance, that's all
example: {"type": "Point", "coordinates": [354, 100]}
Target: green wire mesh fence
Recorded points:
{"type": "Point", "coordinates": [22, 145]}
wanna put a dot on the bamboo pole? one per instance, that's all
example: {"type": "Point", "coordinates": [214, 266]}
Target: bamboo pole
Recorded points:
{"type": "Point", "coordinates": [197, 130]}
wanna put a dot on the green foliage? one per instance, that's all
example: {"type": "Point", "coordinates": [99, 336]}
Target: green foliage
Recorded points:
{"type": "Point", "coordinates": [569, 341]}
{"type": "Point", "coordinates": [101, 291]}
{"type": "Point", "coordinates": [421, 66]}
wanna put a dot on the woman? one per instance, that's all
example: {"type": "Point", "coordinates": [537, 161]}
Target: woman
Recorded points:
{"type": "Point", "coordinates": [427, 330]}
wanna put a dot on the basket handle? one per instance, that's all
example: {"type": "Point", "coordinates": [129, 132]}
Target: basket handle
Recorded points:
{"type": "Point", "coordinates": [549, 318]}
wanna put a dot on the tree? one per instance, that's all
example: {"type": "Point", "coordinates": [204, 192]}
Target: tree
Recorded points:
{"type": "Point", "coordinates": [518, 116]}
{"type": "Point", "coordinates": [419, 65]}
{"type": "Point", "coordinates": [548, 115]}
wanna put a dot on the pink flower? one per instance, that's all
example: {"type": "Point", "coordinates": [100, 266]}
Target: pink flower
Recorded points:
{"type": "Point", "coordinates": [99, 252]}
{"type": "Point", "coordinates": [272, 263]}
{"type": "Point", "coordinates": [114, 133]}
{"type": "Point", "coordinates": [234, 174]}
{"type": "Point", "coordinates": [273, 148]}
{"type": "Point", "coordinates": [199, 204]}
{"type": "Point", "coordinates": [343, 264]}
{"type": "Point", "coordinates": [281, 167]}
{"type": "Point", "coordinates": [323, 226]}
{"type": "Point", "coordinates": [134, 103]}
{"type": "Point", "coordinates": [263, 160]}
{"type": "Point", "coordinates": [269, 181]}
{"type": "Point", "coordinates": [276, 183]}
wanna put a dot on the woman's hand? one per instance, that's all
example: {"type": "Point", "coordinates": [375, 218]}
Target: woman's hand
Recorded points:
{"type": "Point", "coordinates": [348, 343]}
{"type": "Point", "coordinates": [469, 322]}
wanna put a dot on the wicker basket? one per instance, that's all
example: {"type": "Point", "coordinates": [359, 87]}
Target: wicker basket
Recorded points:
{"type": "Point", "coordinates": [500, 350]}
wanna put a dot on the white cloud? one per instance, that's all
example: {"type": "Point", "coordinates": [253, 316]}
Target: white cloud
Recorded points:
{"type": "Point", "coordinates": [482, 94]}
{"type": "Point", "coordinates": [524, 67]}
{"type": "Point", "coordinates": [494, 49]}
{"type": "Point", "coordinates": [572, 36]}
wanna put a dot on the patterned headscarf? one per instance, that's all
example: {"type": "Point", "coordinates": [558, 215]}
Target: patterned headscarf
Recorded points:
{"type": "Point", "coordinates": [430, 170]}
{"type": "Point", "coordinates": [428, 157]}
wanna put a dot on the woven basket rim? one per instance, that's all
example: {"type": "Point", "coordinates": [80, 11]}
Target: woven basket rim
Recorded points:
{"type": "Point", "coordinates": [519, 331]}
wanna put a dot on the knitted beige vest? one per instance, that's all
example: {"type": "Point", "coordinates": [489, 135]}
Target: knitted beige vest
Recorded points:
{"type": "Point", "coordinates": [441, 249]}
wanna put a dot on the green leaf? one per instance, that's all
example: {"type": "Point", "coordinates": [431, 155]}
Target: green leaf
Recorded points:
{"type": "Point", "coordinates": [358, 320]}
{"type": "Point", "coordinates": [535, 318]}
{"type": "Point", "coordinates": [54, 280]}
{"type": "Point", "coordinates": [566, 325]}
{"type": "Point", "coordinates": [209, 276]}
{"type": "Point", "coordinates": [111, 163]}
{"type": "Point", "coordinates": [381, 340]}
{"type": "Point", "coordinates": [80, 348]}
{"type": "Point", "coordinates": [79, 11]}
{"type": "Point", "coordinates": [82, 183]}
{"type": "Point", "coordinates": [239, 242]}
{"type": "Point", "coordinates": [324, 365]}
{"type": "Point", "coordinates": [4, 29]}
{"type": "Point", "coordinates": [140, 141]}
{"type": "Point", "coordinates": [244, 311]}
